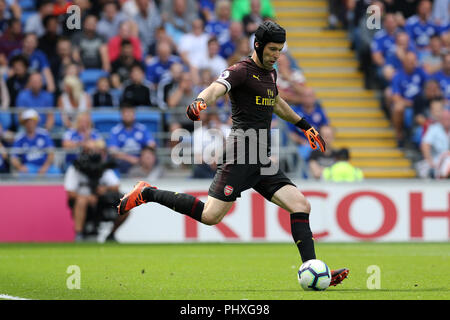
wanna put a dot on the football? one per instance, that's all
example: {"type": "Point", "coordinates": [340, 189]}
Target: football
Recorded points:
{"type": "Point", "coordinates": [314, 275]}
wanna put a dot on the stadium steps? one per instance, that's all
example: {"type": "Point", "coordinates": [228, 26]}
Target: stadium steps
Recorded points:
{"type": "Point", "coordinates": [331, 68]}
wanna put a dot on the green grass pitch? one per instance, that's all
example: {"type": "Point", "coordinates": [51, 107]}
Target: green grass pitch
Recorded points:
{"type": "Point", "coordinates": [220, 271]}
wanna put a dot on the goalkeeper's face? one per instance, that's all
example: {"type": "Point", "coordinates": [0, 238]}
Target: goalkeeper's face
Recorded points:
{"type": "Point", "coordinates": [271, 53]}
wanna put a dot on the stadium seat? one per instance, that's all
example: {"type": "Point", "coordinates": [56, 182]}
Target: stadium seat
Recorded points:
{"type": "Point", "coordinates": [25, 16]}
{"type": "Point", "coordinates": [152, 120]}
{"type": "Point", "coordinates": [89, 77]}
{"type": "Point", "coordinates": [58, 119]}
{"type": "Point", "coordinates": [27, 5]}
{"type": "Point", "coordinates": [104, 121]}
{"type": "Point", "coordinates": [408, 119]}
{"type": "Point", "coordinates": [5, 120]}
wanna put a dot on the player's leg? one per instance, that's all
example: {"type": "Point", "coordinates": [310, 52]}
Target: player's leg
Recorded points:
{"type": "Point", "coordinates": [293, 201]}
{"type": "Point", "coordinates": [210, 213]}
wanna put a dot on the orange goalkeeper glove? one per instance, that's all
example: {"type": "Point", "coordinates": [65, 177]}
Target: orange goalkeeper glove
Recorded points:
{"type": "Point", "coordinates": [193, 110]}
{"type": "Point", "coordinates": [312, 135]}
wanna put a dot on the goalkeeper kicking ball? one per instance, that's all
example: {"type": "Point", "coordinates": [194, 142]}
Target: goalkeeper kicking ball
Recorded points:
{"type": "Point", "coordinates": [314, 275]}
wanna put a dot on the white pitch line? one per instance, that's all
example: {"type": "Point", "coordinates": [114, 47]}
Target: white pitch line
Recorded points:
{"type": "Point", "coordinates": [8, 297]}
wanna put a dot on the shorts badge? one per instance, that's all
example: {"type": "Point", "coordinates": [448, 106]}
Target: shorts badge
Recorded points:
{"type": "Point", "coordinates": [228, 190]}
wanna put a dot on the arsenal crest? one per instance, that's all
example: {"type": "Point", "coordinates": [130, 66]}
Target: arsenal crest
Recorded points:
{"type": "Point", "coordinates": [228, 190]}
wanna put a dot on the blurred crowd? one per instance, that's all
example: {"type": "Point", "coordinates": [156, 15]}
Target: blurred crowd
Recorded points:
{"type": "Point", "coordinates": [408, 60]}
{"type": "Point", "coordinates": [118, 75]}
{"type": "Point", "coordinates": [68, 84]}
{"type": "Point", "coordinates": [73, 72]}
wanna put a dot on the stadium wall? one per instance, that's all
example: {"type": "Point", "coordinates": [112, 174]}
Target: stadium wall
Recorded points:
{"type": "Point", "coordinates": [408, 210]}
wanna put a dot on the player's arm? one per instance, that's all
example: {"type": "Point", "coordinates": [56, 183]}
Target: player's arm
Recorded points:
{"type": "Point", "coordinates": [285, 112]}
{"type": "Point", "coordinates": [207, 97]}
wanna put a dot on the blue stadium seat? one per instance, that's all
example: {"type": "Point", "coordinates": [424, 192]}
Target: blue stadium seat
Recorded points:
{"type": "Point", "coordinates": [104, 121]}
{"type": "Point", "coordinates": [89, 77]}
{"type": "Point", "coordinates": [25, 16]}
{"type": "Point", "coordinates": [152, 120]}
{"type": "Point", "coordinates": [5, 120]}
{"type": "Point", "coordinates": [408, 117]}
{"type": "Point", "coordinates": [58, 119]}
{"type": "Point", "coordinates": [27, 5]}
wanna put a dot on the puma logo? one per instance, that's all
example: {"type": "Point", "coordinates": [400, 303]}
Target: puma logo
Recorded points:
{"type": "Point", "coordinates": [256, 77]}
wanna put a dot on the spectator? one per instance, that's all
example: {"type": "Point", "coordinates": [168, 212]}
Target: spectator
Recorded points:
{"type": "Point", "coordinates": [339, 13]}
{"type": "Point", "coordinates": [83, 133]}
{"type": "Point", "coordinates": [443, 77]}
{"type": "Point", "coordinates": [422, 102]}
{"type": "Point", "coordinates": [206, 78]}
{"type": "Point", "coordinates": [4, 95]}
{"type": "Point", "coordinates": [254, 18]}
{"type": "Point", "coordinates": [432, 59]}
{"type": "Point", "coordinates": [342, 170]}
{"type": "Point", "coordinates": [363, 40]}
{"type": "Point", "coordinates": [161, 36]}
{"type": "Point", "coordinates": [125, 34]}
{"type": "Point", "coordinates": [5, 16]}
{"type": "Point", "coordinates": [102, 96]}
{"type": "Point", "coordinates": [179, 97]}
{"type": "Point", "coordinates": [290, 82]}
{"type": "Point", "coordinates": [110, 21]}
{"type": "Point", "coordinates": [161, 63]}
{"type": "Point", "coordinates": [178, 18]}
{"type": "Point", "coordinates": [420, 27]}
{"type": "Point", "coordinates": [147, 19]}
{"type": "Point", "coordinates": [62, 61]}
{"type": "Point", "coordinates": [34, 96]}
{"type": "Point", "coordinates": [85, 9]}
{"type": "Point", "coordinates": [11, 39]}
{"type": "Point", "coordinates": [137, 90]}
{"type": "Point", "coordinates": [219, 27]}
{"type": "Point", "coordinates": [213, 60]}
{"type": "Point", "coordinates": [440, 12]}
{"type": "Point", "coordinates": [313, 112]}
{"type": "Point", "coordinates": [194, 45]}
{"type": "Point", "coordinates": [60, 7]}
{"type": "Point", "coordinates": [35, 22]}
{"type": "Point", "coordinates": [242, 51]}
{"type": "Point", "coordinates": [240, 8]}
{"type": "Point", "coordinates": [168, 81]}
{"type": "Point", "coordinates": [90, 185]}
{"type": "Point", "coordinates": [147, 168]}
{"type": "Point", "coordinates": [207, 9]}
{"type": "Point", "coordinates": [4, 160]}
{"type": "Point", "coordinates": [90, 47]}
{"type": "Point", "coordinates": [432, 116]}
{"type": "Point", "coordinates": [18, 78]}
{"type": "Point", "coordinates": [435, 146]}
{"type": "Point", "coordinates": [383, 41]}
{"type": "Point", "coordinates": [406, 85]}
{"type": "Point", "coordinates": [318, 160]}
{"type": "Point", "coordinates": [402, 9]}
{"type": "Point", "coordinates": [210, 136]}
{"type": "Point", "coordinates": [228, 48]}
{"type": "Point", "coordinates": [128, 138]}
{"type": "Point", "coordinates": [396, 55]}
{"type": "Point", "coordinates": [120, 68]}
{"type": "Point", "coordinates": [37, 59]}
{"type": "Point", "coordinates": [47, 43]}
{"type": "Point", "coordinates": [33, 152]}
{"type": "Point", "coordinates": [73, 100]}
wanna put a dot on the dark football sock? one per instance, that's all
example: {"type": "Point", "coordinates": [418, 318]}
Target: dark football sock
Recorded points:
{"type": "Point", "coordinates": [301, 232]}
{"type": "Point", "coordinates": [181, 202]}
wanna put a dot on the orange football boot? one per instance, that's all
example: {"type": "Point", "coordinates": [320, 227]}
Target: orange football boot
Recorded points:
{"type": "Point", "coordinates": [337, 276]}
{"type": "Point", "coordinates": [133, 198]}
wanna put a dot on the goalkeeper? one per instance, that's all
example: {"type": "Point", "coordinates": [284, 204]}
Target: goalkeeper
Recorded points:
{"type": "Point", "coordinates": [251, 85]}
